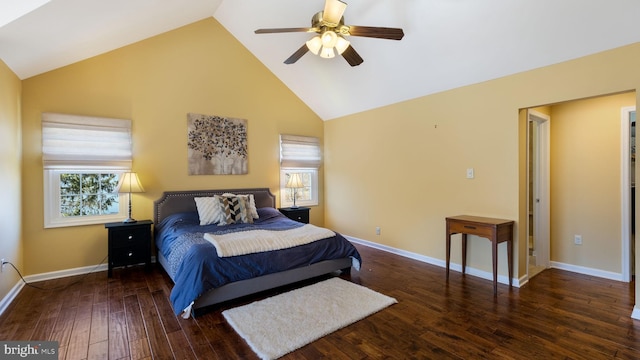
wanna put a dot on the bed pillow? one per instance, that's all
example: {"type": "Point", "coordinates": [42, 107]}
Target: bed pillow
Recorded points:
{"type": "Point", "coordinates": [246, 215]}
{"type": "Point", "coordinates": [209, 210]}
{"type": "Point", "coordinates": [267, 213]}
{"type": "Point", "coordinates": [252, 206]}
{"type": "Point", "coordinates": [235, 209]}
{"type": "Point", "coordinates": [251, 203]}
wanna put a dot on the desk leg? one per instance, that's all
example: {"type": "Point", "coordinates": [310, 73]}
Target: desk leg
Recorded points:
{"type": "Point", "coordinates": [464, 252]}
{"type": "Point", "coordinates": [494, 255]}
{"type": "Point", "coordinates": [448, 253]}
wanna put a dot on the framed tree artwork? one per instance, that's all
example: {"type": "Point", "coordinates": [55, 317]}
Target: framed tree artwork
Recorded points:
{"type": "Point", "coordinates": [216, 145]}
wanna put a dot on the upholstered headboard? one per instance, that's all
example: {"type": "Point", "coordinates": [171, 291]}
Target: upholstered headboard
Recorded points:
{"type": "Point", "coordinates": [173, 202]}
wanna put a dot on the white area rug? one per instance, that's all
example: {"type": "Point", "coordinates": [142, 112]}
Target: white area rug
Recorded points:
{"type": "Point", "coordinates": [278, 325]}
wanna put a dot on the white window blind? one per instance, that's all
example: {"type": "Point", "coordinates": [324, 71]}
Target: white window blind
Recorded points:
{"type": "Point", "coordinates": [299, 152]}
{"type": "Point", "coordinates": [83, 141]}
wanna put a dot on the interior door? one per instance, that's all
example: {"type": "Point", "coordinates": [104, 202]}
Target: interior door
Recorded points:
{"type": "Point", "coordinates": [539, 180]}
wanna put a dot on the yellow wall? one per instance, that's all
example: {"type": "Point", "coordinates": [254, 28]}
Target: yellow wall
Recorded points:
{"type": "Point", "coordinates": [199, 68]}
{"type": "Point", "coordinates": [10, 177]}
{"type": "Point", "coordinates": [402, 167]}
{"type": "Point", "coordinates": [585, 181]}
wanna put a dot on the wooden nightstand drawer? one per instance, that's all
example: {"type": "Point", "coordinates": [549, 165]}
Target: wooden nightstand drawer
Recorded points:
{"type": "Point", "coordinates": [299, 214]}
{"type": "Point", "coordinates": [129, 244]}
{"type": "Point", "coordinates": [127, 237]}
{"type": "Point", "coordinates": [129, 256]}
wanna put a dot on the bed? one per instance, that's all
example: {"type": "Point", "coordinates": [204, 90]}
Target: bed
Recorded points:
{"type": "Point", "coordinates": [202, 278]}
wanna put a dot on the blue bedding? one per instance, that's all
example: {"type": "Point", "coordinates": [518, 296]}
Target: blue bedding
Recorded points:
{"type": "Point", "coordinates": [194, 265]}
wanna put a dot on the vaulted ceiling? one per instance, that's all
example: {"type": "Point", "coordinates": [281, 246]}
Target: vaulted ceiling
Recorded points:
{"type": "Point", "coordinates": [447, 43]}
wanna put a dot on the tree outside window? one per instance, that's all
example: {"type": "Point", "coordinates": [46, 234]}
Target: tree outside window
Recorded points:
{"type": "Point", "coordinates": [88, 194]}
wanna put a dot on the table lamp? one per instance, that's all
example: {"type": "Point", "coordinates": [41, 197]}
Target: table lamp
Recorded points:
{"type": "Point", "coordinates": [129, 183]}
{"type": "Point", "coordinates": [295, 183]}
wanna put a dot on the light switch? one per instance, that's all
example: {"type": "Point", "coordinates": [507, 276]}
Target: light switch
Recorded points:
{"type": "Point", "coordinates": [470, 173]}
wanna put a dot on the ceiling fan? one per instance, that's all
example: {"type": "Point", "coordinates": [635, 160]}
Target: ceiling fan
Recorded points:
{"type": "Point", "coordinates": [331, 30]}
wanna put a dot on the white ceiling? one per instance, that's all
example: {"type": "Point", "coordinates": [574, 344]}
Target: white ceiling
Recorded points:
{"type": "Point", "coordinates": [447, 43]}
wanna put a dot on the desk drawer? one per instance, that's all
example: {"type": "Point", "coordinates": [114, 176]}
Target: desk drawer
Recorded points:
{"type": "Point", "coordinates": [470, 228]}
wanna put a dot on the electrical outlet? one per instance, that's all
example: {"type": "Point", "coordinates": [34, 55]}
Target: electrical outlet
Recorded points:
{"type": "Point", "coordinates": [577, 239]}
{"type": "Point", "coordinates": [377, 230]}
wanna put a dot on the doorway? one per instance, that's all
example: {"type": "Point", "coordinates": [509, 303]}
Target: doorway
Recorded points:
{"type": "Point", "coordinates": [589, 206]}
{"type": "Point", "coordinates": [538, 136]}
{"type": "Point", "coordinates": [628, 155]}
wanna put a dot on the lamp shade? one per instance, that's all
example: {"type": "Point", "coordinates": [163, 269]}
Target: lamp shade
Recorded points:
{"type": "Point", "coordinates": [314, 45]}
{"type": "Point", "coordinates": [294, 182]}
{"type": "Point", "coordinates": [327, 44]}
{"type": "Point", "coordinates": [329, 39]}
{"type": "Point", "coordinates": [333, 11]}
{"type": "Point", "coordinates": [129, 183]}
{"type": "Point", "coordinates": [327, 53]}
{"type": "Point", "coordinates": [342, 44]}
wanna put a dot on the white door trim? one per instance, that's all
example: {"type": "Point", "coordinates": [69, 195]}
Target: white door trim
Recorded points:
{"type": "Point", "coordinates": [625, 189]}
{"type": "Point", "coordinates": [541, 194]}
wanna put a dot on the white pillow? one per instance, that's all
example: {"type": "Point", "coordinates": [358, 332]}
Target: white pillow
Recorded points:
{"type": "Point", "coordinates": [209, 210]}
{"type": "Point", "coordinates": [252, 206]}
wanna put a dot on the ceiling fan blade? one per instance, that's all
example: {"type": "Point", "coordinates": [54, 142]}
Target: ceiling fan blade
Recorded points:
{"type": "Point", "coordinates": [352, 57]}
{"type": "Point", "coordinates": [297, 55]}
{"type": "Point", "coordinates": [284, 30]}
{"type": "Point", "coordinates": [377, 32]}
{"type": "Point", "coordinates": [333, 11]}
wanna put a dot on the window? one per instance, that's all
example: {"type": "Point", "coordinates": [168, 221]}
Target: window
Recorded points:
{"type": "Point", "coordinates": [80, 198]}
{"type": "Point", "coordinates": [301, 155]}
{"type": "Point", "coordinates": [306, 196]}
{"type": "Point", "coordinates": [83, 158]}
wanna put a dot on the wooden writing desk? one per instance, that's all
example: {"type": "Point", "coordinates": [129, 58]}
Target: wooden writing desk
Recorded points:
{"type": "Point", "coordinates": [496, 230]}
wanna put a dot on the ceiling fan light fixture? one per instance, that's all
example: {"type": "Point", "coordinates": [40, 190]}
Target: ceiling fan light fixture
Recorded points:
{"type": "Point", "coordinates": [331, 32]}
{"type": "Point", "coordinates": [314, 45]}
{"type": "Point", "coordinates": [342, 44]}
{"type": "Point", "coordinates": [333, 11]}
{"type": "Point", "coordinates": [329, 39]}
{"type": "Point", "coordinates": [327, 53]}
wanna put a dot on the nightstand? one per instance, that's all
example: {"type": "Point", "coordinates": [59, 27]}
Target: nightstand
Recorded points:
{"type": "Point", "coordinates": [299, 214]}
{"type": "Point", "coordinates": [129, 243]}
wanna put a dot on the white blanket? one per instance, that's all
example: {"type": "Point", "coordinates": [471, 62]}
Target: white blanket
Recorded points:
{"type": "Point", "coordinates": [253, 241]}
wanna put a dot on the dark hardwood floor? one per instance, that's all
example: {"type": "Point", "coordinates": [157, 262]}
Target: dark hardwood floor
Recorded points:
{"type": "Point", "coordinates": [558, 315]}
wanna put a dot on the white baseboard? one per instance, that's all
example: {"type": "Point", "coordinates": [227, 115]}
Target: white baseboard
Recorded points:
{"type": "Point", "coordinates": [433, 261]}
{"type": "Point", "coordinates": [587, 271]}
{"type": "Point", "coordinates": [5, 301]}
{"type": "Point", "coordinates": [8, 299]}
{"type": "Point", "coordinates": [489, 276]}
{"type": "Point", "coordinates": [65, 273]}
{"type": "Point", "coordinates": [71, 272]}
{"type": "Point", "coordinates": [485, 274]}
